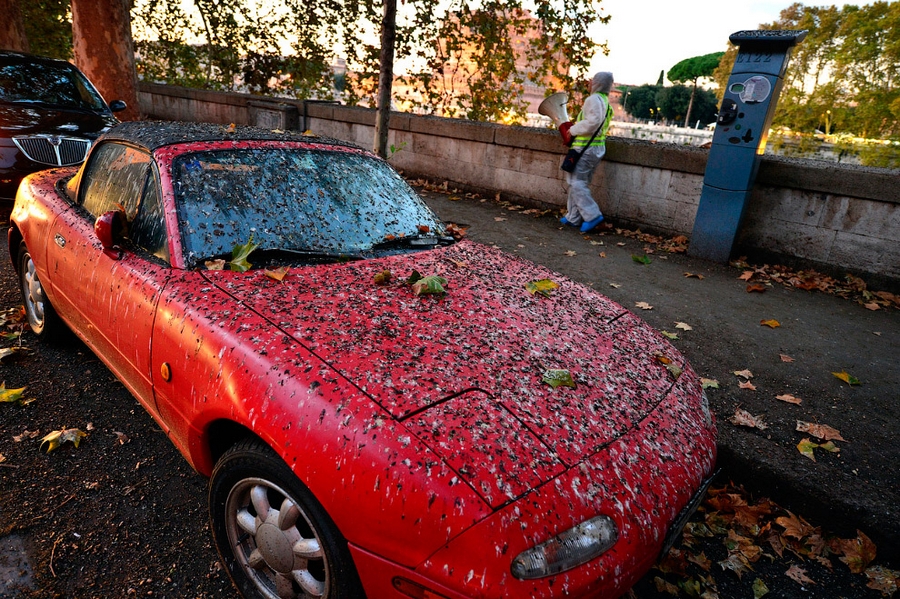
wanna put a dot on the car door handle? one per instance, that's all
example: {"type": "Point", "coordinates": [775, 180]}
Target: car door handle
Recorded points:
{"type": "Point", "coordinates": [60, 240]}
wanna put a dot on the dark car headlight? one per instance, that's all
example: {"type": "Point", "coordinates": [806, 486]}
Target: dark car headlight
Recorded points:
{"type": "Point", "coordinates": [568, 549]}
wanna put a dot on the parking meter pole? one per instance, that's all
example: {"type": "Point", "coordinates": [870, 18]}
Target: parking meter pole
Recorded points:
{"type": "Point", "coordinates": [742, 128]}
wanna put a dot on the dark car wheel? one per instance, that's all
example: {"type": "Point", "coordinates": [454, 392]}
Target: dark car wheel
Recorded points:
{"type": "Point", "coordinates": [275, 539]}
{"type": "Point", "coordinates": [41, 316]}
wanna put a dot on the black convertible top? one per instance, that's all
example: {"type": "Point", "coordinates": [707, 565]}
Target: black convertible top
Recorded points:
{"type": "Point", "coordinates": [152, 135]}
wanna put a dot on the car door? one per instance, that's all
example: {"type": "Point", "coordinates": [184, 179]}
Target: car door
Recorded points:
{"type": "Point", "coordinates": [112, 295]}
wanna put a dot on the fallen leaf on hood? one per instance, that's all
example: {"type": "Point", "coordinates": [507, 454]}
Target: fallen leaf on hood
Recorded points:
{"type": "Point", "coordinates": [382, 278]}
{"type": "Point", "coordinates": [277, 274]}
{"type": "Point", "coordinates": [789, 398]}
{"type": "Point", "coordinates": [543, 287]}
{"type": "Point", "coordinates": [771, 323]}
{"type": "Point", "coordinates": [643, 305]}
{"type": "Point", "coordinates": [558, 378]}
{"type": "Point", "coordinates": [744, 373]}
{"type": "Point", "coordinates": [785, 358]}
{"type": "Point", "coordinates": [745, 418]}
{"type": "Point", "coordinates": [57, 438]}
{"type": "Point", "coordinates": [821, 431]}
{"type": "Point", "coordinates": [847, 378]}
{"type": "Point", "coordinates": [709, 383]}
{"type": "Point", "coordinates": [240, 253]}
{"type": "Point", "coordinates": [683, 326]}
{"type": "Point", "coordinates": [431, 284]}
{"type": "Point", "coordinates": [798, 575]}
{"type": "Point", "coordinates": [215, 264]}
{"type": "Point", "coordinates": [747, 385]}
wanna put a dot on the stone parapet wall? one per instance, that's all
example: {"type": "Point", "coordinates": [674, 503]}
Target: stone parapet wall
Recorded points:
{"type": "Point", "coordinates": [837, 216]}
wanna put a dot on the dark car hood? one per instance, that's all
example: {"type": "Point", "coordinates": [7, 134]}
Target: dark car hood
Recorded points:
{"type": "Point", "coordinates": [465, 370]}
{"type": "Point", "coordinates": [29, 119]}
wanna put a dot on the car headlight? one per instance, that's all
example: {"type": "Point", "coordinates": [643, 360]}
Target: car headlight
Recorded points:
{"type": "Point", "coordinates": [566, 550]}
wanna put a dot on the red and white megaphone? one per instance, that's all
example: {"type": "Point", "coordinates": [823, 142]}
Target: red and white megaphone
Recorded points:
{"type": "Point", "coordinates": [554, 106]}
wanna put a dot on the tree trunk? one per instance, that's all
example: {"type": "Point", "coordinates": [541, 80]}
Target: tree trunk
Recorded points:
{"type": "Point", "coordinates": [12, 28]}
{"type": "Point", "coordinates": [687, 117]}
{"type": "Point", "coordinates": [101, 39]}
{"type": "Point", "coordinates": [385, 77]}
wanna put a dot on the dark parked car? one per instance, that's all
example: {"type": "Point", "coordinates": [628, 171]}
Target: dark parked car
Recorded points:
{"type": "Point", "coordinates": [50, 114]}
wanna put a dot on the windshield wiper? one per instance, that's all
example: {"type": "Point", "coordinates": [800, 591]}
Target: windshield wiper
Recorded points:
{"type": "Point", "coordinates": [309, 255]}
{"type": "Point", "coordinates": [412, 242]}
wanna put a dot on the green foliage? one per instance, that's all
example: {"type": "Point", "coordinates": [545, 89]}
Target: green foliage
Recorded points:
{"type": "Point", "coordinates": [48, 26]}
{"type": "Point", "coordinates": [690, 70]}
{"type": "Point", "coordinates": [671, 103]}
{"type": "Point", "coordinates": [642, 101]}
{"type": "Point", "coordinates": [470, 60]}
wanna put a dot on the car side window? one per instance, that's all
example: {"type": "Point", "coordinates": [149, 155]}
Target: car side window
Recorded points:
{"type": "Point", "coordinates": [148, 229]}
{"type": "Point", "coordinates": [115, 179]}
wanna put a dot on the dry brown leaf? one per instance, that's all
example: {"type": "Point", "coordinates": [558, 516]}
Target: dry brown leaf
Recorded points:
{"type": "Point", "coordinates": [747, 385]}
{"type": "Point", "coordinates": [643, 305]}
{"type": "Point", "coordinates": [746, 276]}
{"type": "Point", "coordinates": [798, 575]}
{"type": "Point", "coordinates": [757, 287]}
{"type": "Point", "coordinates": [690, 275]}
{"type": "Point", "coordinates": [771, 323]}
{"type": "Point", "coordinates": [571, 253]}
{"type": "Point", "coordinates": [787, 397]}
{"type": "Point", "coordinates": [872, 306]}
{"type": "Point", "coordinates": [683, 326]}
{"type": "Point", "coordinates": [822, 431]}
{"type": "Point", "coordinates": [744, 373]}
{"type": "Point", "coordinates": [785, 358]}
{"type": "Point", "coordinates": [745, 418]}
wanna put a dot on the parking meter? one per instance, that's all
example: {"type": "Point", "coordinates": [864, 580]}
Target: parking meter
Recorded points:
{"type": "Point", "coordinates": [742, 128]}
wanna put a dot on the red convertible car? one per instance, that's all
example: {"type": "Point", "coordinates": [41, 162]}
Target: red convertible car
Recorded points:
{"type": "Point", "coordinates": [382, 411]}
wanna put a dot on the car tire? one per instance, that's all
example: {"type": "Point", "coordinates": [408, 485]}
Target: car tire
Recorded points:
{"type": "Point", "coordinates": [41, 316]}
{"type": "Point", "coordinates": [295, 549]}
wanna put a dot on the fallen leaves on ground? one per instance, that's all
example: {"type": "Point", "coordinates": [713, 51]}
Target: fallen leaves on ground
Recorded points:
{"type": "Point", "coordinates": [690, 275]}
{"type": "Point", "coordinates": [683, 326]}
{"type": "Point", "coordinates": [56, 438]}
{"type": "Point", "coordinates": [847, 378]}
{"type": "Point", "coordinates": [747, 385]}
{"type": "Point", "coordinates": [820, 431]}
{"type": "Point", "coordinates": [754, 530]}
{"type": "Point", "coordinates": [771, 323]}
{"type": "Point", "coordinates": [787, 397]}
{"type": "Point", "coordinates": [745, 418]}
{"type": "Point", "coordinates": [673, 245]}
{"type": "Point", "coordinates": [806, 447]}
{"type": "Point", "coordinates": [10, 395]}
{"type": "Point", "coordinates": [641, 258]}
{"type": "Point", "coordinates": [709, 383]}
{"type": "Point", "coordinates": [851, 287]}
{"type": "Point", "coordinates": [785, 358]}
{"type": "Point", "coordinates": [643, 305]}
{"type": "Point", "coordinates": [744, 374]}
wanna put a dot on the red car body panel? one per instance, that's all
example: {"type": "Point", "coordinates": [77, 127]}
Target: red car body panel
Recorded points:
{"type": "Point", "coordinates": [421, 423]}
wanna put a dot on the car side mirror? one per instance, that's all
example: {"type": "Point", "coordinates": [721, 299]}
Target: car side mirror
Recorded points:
{"type": "Point", "coordinates": [117, 105]}
{"type": "Point", "coordinates": [109, 228]}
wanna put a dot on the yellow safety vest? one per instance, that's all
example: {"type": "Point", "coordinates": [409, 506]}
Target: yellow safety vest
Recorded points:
{"type": "Point", "coordinates": [600, 139]}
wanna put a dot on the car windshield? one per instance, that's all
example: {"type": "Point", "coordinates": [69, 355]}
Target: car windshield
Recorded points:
{"type": "Point", "coordinates": [58, 85]}
{"type": "Point", "coordinates": [295, 200]}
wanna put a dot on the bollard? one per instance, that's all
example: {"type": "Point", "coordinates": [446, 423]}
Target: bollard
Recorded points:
{"type": "Point", "coordinates": [742, 128]}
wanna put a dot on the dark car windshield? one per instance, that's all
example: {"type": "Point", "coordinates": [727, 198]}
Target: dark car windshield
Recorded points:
{"type": "Point", "coordinates": [301, 200]}
{"type": "Point", "coordinates": [58, 85]}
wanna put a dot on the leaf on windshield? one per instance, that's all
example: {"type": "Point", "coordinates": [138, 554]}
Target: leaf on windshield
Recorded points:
{"type": "Point", "coordinates": [10, 395]}
{"type": "Point", "coordinates": [383, 277]}
{"type": "Point", "coordinates": [544, 287]}
{"type": "Point", "coordinates": [277, 274]}
{"type": "Point", "coordinates": [558, 378]}
{"type": "Point", "coordinates": [57, 438]}
{"type": "Point", "coordinates": [239, 255]}
{"type": "Point", "coordinates": [423, 228]}
{"type": "Point", "coordinates": [431, 284]}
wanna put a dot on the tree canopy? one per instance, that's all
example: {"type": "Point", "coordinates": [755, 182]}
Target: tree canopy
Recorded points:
{"type": "Point", "coordinates": [845, 76]}
{"type": "Point", "coordinates": [469, 59]}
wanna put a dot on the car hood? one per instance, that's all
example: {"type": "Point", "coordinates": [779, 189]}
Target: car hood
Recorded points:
{"type": "Point", "coordinates": [467, 371]}
{"type": "Point", "coordinates": [25, 119]}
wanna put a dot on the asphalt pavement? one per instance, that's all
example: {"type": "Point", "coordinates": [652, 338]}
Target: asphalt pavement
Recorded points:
{"type": "Point", "coordinates": [786, 342]}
